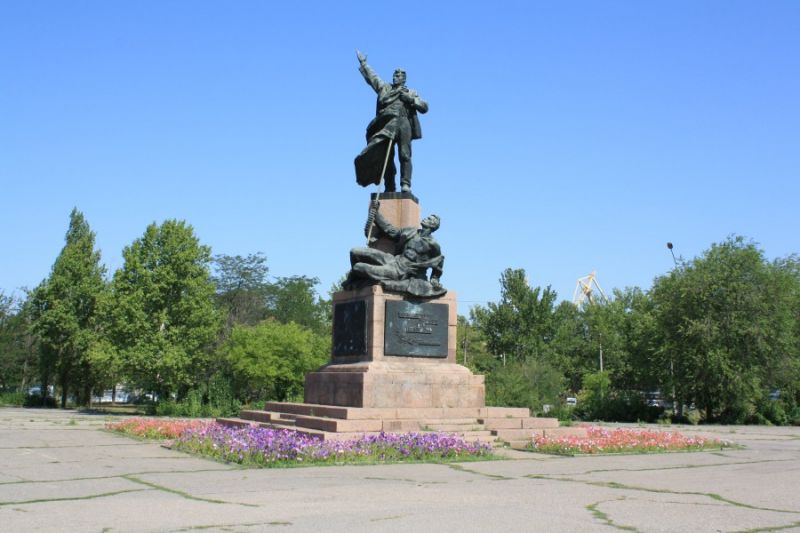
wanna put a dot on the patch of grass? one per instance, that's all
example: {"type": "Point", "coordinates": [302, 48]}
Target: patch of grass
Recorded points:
{"type": "Point", "coordinates": [603, 517]}
{"type": "Point", "coordinates": [461, 468]}
{"type": "Point", "coordinates": [226, 527]}
{"type": "Point", "coordinates": [771, 528]}
{"type": "Point", "coordinates": [182, 493]}
{"type": "Point", "coordinates": [71, 498]}
{"type": "Point", "coordinates": [115, 409]}
{"type": "Point", "coordinates": [622, 486]}
{"type": "Point", "coordinates": [14, 399]}
{"type": "Point", "coordinates": [395, 517]}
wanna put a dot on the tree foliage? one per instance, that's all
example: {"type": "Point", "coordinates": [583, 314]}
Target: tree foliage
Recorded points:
{"type": "Point", "coordinates": [242, 288]}
{"type": "Point", "coordinates": [294, 299]}
{"type": "Point", "coordinates": [727, 326]}
{"type": "Point", "coordinates": [162, 309]}
{"type": "Point", "coordinates": [720, 333]}
{"type": "Point", "coordinates": [18, 350]}
{"type": "Point", "coordinates": [521, 325]}
{"type": "Point", "coordinates": [270, 360]}
{"type": "Point", "coordinates": [64, 308]}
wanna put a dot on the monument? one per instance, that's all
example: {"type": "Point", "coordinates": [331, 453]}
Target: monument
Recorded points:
{"type": "Point", "coordinates": [395, 124]}
{"type": "Point", "coordinates": [393, 359]}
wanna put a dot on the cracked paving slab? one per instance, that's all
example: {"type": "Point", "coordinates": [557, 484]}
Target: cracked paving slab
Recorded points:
{"type": "Point", "coordinates": [670, 512]}
{"type": "Point", "coordinates": [60, 472]}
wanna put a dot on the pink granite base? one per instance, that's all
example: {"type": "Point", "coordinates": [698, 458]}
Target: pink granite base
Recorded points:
{"type": "Point", "coordinates": [374, 379]}
{"type": "Point", "coordinates": [375, 299]}
{"type": "Point", "coordinates": [381, 385]}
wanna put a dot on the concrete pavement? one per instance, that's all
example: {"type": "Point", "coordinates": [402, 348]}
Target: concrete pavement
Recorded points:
{"type": "Point", "coordinates": [59, 472]}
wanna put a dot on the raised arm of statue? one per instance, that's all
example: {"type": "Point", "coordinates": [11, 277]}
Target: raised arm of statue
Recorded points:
{"type": "Point", "coordinates": [393, 232]}
{"type": "Point", "coordinates": [370, 76]}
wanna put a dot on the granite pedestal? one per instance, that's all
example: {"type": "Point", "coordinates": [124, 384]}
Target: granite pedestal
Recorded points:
{"type": "Point", "coordinates": [393, 351]}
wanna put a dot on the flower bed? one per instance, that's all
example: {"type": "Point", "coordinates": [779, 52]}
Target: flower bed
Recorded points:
{"type": "Point", "coordinates": [256, 446]}
{"type": "Point", "coordinates": [625, 440]}
{"type": "Point", "coordinates": [153, 428]}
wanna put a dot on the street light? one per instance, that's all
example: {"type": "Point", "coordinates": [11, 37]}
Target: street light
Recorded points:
{"type": "Point", "coordinates": [672, 356]}
{"type": "Point", "coordinates": [669, 245]}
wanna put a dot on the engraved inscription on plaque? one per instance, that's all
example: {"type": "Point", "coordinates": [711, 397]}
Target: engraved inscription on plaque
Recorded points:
{"type": "Point", "coordinates": [350, 328]}
{"type": "Point", "coordinates": [415, 329]}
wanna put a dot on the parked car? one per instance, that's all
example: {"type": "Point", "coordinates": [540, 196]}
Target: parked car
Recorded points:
{"type": "Point", "coordinates": [36, 390]}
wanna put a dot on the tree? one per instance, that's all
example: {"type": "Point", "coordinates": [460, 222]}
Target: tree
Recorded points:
{"type": "Point", "coordinates": [725, 320]}
{"type": "Point", "coordinates": [242, 288]}
{"type": "Point", "coordinates": [162, 309]}
{"type": "Point", "coordinates": [18, 355]}
{"type": "Point", "coordinates": [270, 360]}
{"type": "Point", "coordinates": [293, 299]}
{"type": "Point", "coordinates": [521, 325]}
{"type": "Point", "coordinates": [471, 348]}
{"type": "Point", "coordinates": [622, 329]}
{"type": "Point", "coordinates": [64, 311]}
{"type": "Point", "coordinates": [532, 384]}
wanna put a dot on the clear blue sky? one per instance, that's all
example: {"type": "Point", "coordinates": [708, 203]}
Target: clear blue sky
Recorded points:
{"type": "Point", "coordinates": [562, 137]}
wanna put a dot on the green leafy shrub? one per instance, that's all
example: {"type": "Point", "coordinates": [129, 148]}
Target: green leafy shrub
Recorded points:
{"type": "Point", "coordinates": [12, 398]}
{"type": "Point", "coordinates": [528, 384]}
{"type": "Point", "coordinates": [598, 401]}
{"type": "Point", "coordinates": [216, 400]}
{"type": "Point", "coordinates": [35, 400]}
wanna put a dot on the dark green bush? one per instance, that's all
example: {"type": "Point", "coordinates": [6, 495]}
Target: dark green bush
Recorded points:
{"type": "Point", "coordinates": [12, 398]}
{"type": "Point", "coordinates": [216, 399]}
{"type": "Point", "coordinates": [35, 400]}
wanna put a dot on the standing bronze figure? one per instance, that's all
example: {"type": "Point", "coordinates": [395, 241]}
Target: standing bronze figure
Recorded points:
{"type": "Point", "coordinates": [395, 123]}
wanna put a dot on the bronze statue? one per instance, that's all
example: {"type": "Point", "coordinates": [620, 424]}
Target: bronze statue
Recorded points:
{"type": "Point", "coordinates": [416, 251]}
{"type": "Point", "coordinates": [395, 123]}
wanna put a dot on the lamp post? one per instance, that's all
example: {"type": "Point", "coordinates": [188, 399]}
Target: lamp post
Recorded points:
{"type": "Point", "coordinates": [669, 245]}
{"type": "Point", "coordinates": [672, 357]}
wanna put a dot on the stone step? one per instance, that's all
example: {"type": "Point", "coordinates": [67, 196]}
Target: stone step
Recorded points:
{"type": "Point", "coordinates": [241, 422]}
{"type": "Point", "coordinates": [501, 423]}
{"type": "Point", "coordinates": [566, 432]}
{"type": "Point", "coordinates": [520, 423]}
{"type": "Point", "coordinates": [257, 416]}
{"type": "Point", "coordinates": [234, 422]}
{"type": "Point", "coordinates": [305, 409]}
{"type": "Point", "coordinates": [393, 413]}
{"type": "Point", "coordinates": [510, 435]}
{"type": "Point", "coordinates": [453, 428]}
{"type": "Point", "coordinates": [470, 434]}
{"type": "Point", "coordinates": [507, 412]}
{"type": "Point", "coordinates": [336, 425]}
{"type": "Point", "coordinates": [449, 425]}
{"type": "Point", "coordinates": [540, 422]}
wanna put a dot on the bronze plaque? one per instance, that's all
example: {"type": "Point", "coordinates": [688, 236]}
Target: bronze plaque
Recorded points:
{"type": "Point", "coordinates": [415, 329]}
{"type": "Point", "coordinates": [350, 328]}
